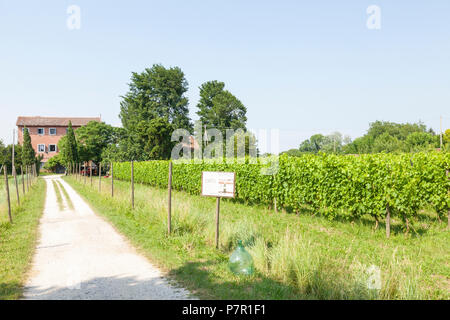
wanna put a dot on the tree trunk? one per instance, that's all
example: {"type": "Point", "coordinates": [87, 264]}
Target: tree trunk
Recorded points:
{"type": "Point", "coordinates": [407, 225]}
{"type": "Point", "coordinates": [388, 222]}
{"type": "Point", "coordinates": [376, 223]}
{"type": "Point", "coordinates": [448, 213]}
{"type": "Point", "coordinates": [275, 204]}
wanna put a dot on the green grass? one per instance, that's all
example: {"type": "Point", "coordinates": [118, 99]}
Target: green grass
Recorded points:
{"type": "Point", "coordinates": [17, 241]}
{"type": "Point", "coordinates": [59, 198]}
{"type": "Point", "coordinates": [296, 256]}
{"type": "Point", "coordinates": [12, 194]}
{"type": "Point", "coordinates": [66, 196]}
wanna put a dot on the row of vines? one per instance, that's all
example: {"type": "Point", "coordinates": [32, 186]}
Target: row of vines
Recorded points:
{"type": "Point", "coordinates": [337, 186]}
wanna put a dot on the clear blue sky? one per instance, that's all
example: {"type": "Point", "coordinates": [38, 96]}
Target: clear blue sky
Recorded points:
{"type": "Point", "coordinates": [303, 67]}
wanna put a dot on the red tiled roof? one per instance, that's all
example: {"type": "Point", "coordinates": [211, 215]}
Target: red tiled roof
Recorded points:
{"type": "Point", "coordinates": [53, 121]}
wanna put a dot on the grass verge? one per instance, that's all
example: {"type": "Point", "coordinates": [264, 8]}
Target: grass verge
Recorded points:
{"type": "Point", "coordinates": [59, 198]}
{"type": "Point", "coordinates": [66, 195]}
{"type": "Point", "coordinates": [17, 241]}
{"type": "Point", "coordinates": [296, 256]}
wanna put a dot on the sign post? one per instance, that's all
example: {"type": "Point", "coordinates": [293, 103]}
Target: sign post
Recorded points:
{"type": "Point", "coordinates": [5, 171]}
{"type": "Point", "coordinates": [218, 185]}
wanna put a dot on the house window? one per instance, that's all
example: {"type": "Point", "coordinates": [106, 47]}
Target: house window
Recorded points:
{"type": "Point", "coordinates": [23, 130]}
{"type": "Point", "coordinates": [41, 131]}
{"type": "Point", "coordinates": [41, 147]}
{"type": "Point", "coordinates": [52, 131]}
{"type": "Point", "coordinates": [52, 147]}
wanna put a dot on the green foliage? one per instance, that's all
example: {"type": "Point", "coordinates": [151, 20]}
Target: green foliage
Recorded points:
{"type": "Point", "coordinates": [54, 162]}
{"type": "Point", "coordinates": [390, 137]}
{"type": "Point", "coordinates": [6, 156]}
{"type": "Point", "coordinates": [418, 141]}
{"type": "Point", "coordinates": [332, 143]}
{"type": "Point", "coordinates": [68, 147]}
{"type": "Point", "coordinates": [155, 93]}
{"type": "Point", "coordinates": [335, 186]}
{"type": "Point", "coordinates": [93, 139]}
{"type": "Point", "coordinates": [219, 109]}
{"type": "Point", "coordinates": [28, 153]}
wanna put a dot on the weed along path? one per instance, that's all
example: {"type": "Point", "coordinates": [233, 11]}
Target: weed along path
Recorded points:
{"type": "Point", "coordinates": [80, 256]}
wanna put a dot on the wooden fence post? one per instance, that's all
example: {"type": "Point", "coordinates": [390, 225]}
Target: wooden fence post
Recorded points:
{"type": "Point", "coordinates": [388, 222]}
{"type": "Point", "coordinates": [217, 221]}
{"type": "Point", "coordinates": [169, 207]}
{"type": "Point", "coordinates": [448, 212]}
{"type": "Point", "coordinates": [23, 179]}
{"type": "Point", "coordinates": [132, 184]}
{"type": "Point", "coordinates": [28, 178]}
{"type": "Point", "coordinates": [100, 177]}
{"type": "Point", "coordinates": [5, 170]}
{"type": "Point", "coordinates": [112, 179]}
{"type": "Point", "coordinates": [90, 172]}
{"type": "Point", "coordinates": [17, 185]}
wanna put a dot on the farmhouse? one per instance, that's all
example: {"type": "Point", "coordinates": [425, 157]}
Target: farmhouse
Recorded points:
{"type": "Point", "coordinates": [46, 132]}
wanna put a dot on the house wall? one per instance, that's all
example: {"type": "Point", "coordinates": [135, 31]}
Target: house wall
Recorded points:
{"type": "Point", "coordinates": [45, 139]}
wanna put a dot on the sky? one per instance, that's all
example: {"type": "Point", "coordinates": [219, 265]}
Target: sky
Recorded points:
{"type": "Point", "coordinates": [302, 67]}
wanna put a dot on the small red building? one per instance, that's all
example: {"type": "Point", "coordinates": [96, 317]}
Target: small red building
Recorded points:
{"type": "Point", "coordinates": [46, 132]}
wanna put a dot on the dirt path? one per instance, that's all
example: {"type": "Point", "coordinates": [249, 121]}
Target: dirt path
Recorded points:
{"type": "Point", "coordinates": [80, 256]}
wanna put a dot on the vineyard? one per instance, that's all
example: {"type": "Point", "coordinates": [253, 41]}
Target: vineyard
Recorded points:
{"type": "Point", "coordinates": [381, 185]}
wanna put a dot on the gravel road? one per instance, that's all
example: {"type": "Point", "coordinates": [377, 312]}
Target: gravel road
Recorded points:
{"type": "Point", "coordinates": [81, 256]}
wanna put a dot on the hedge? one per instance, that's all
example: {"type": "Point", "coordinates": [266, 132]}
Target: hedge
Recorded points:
{"type": "Point", "coordinates": [346, 186]}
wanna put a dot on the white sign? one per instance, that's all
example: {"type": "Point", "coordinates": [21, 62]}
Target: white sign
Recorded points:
{"type": "Point", "coordinates": [218, 184]}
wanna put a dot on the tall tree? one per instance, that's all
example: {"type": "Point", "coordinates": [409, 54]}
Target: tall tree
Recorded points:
{"type": "Point", "coordinates": [72, 148]}
{"type": "Point", "coordinates": [155, 93]}
{"type": "Point", "coordinates": [28, 153]}
{"type": "Point", "coordinates": [220, 109]}
{"type": "Point", "coordinates": [93, 139]}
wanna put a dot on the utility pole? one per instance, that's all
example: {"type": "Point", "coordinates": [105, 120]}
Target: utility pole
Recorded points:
{"type": "Point", "coordinates": [441, 133]}
{"type": "Point", "coordinates": [14, 141]}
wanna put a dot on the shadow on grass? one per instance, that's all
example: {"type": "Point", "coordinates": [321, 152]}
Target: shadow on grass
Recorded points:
{"type": "Point", "coordinates": [197, 277]}
{"type": "Point", "coordinates": [10, 290]}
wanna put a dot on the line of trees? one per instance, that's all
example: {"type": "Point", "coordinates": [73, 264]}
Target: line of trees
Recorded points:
{"type": "Point", "coordinates": [382, 137]}
{"type": "Point", "coordinates": [24, 155]}
{"type": "Point", "coordinates": [154, 106]}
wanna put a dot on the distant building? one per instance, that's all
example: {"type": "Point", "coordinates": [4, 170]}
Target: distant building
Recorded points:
{"type": "Point", "coordinates": [46, 132]}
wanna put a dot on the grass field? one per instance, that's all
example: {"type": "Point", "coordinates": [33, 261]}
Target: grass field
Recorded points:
{"type": "Point", "coordinates": [17, 241]}
{"type": "Point", "coordinates": [13, 195]}
{"type": "Point", "coordinates": [296, 256]}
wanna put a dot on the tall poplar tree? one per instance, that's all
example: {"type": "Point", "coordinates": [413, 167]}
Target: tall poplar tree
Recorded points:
{"type": "Point", "coordinates": [28, 153]}
{"type": "Point", "coordinates": [69, 147]}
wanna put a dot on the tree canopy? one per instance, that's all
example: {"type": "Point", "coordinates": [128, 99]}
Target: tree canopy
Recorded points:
{"type": "Point", "coordinates": [28, 153]}
{"type": "Point", "coordinates": [155, 93]}
{"type": "Point", "coordinates": [382, 136]}
{"type": "Point", "coordinates": [68, 147]}
{"type": "Point", "coordinates": [219, 109]}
